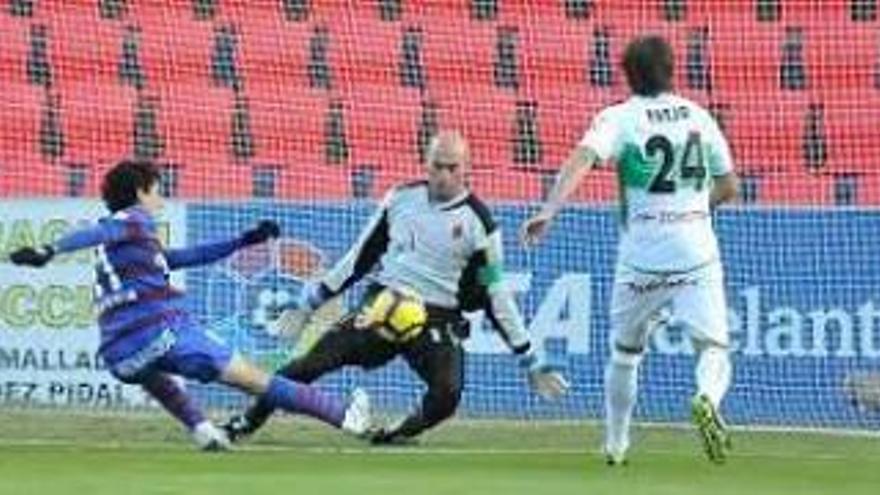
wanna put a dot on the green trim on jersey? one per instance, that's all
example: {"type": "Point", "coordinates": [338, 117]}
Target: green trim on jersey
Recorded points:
{"type": "Point", "coordinates": [490, 274]}
{"type": "Point", "coordinates": [635, 170]}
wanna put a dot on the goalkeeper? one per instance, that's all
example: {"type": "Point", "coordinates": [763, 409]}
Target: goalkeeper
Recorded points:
{"type": "Point", "coordinates": [436, 239]}
{"type": "Point", "coordinates": [147, 335]}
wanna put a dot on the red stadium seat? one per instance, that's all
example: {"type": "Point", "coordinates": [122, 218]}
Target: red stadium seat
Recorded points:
{"type": "Point", "coordinates": [851, 129]}
{"type": "Point", "coordinates": [801, 189]}
{"type": "Point", "coordinates": [274, 52]}
{"type": "Point", "coordinates": [196, 124]}
{"type": "Point", "coordinates": [31, 177]}
{"type": "Point", "coordinates": [767, 135]}
{"type": "Point", "coordinates": [82, 48]}
{"type": "Point", "coordinates": [195, 120]}
{"type": "Point", "coordinates": [288, 128]}
{"type": "Point", "coordinates": [381, 126]}
{"type": "Point", "coordinates": [869, 188]}
{"type": "Point", "coordinates": [485, 116]}
{"type": "Point", "coordinates": [507, 185]}
{"type": "Point", "coordinates": [323, 182]}
{"type": "Point", "coordinates": [98, 125]}
{"type": "Point", "coordinates": [208, 175]}
{"type": "Point", "coordinates": [746, 64]}
{"type": "Point", "coordinates": [23, 172]}
{"type": "Point", "coordinates": [288, 118]}
{"type": "Point", "coordinates": [841, 66]}
{"type": "Point", "coordinates": [555, 53]}
{"type": "Point", "coordinates": [459, 52]}
{"type": "Point", "coordinates": [175, 48]}
{"type": "Point", "coordinates": [20, 106]}
{"type": "Point", "coordinates": [564, 115]}
{"type": "Point", "coordinates": [375, 63]}
{"type": "Point", "coordinates": [14, 44]}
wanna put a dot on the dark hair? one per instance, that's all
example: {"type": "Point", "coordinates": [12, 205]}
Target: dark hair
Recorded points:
{"type": "Point", "coordinates": [648, 63]}
{"type": "Point", "coordinates": [122, 182]}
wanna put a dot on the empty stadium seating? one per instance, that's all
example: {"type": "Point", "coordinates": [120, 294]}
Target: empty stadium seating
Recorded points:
{"type": "Point", "coordinates": [13, 50]}
{"type": "Point", "coordinates": [797, 189]}
{"type": "Point", "coordinates": [381, 111]}
{"type": "Point", "coordinates": [288, 128]}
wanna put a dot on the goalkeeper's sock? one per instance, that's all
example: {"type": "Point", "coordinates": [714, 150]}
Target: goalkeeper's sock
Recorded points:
{"type": "Point", "coordinates": [621, 382]}
{"type": "Point", "coordinates": [713, 374]}
{"type": "Point", "coordinates": [174, 399]}
{"type": "Point", "coordinates": [304, 399]}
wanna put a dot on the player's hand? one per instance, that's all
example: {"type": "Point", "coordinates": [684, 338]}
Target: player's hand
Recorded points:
{"type": "Point", "coordinates": [535, 228]}
{"type": "Point", "coordinates": [290, 320]}
{"type": "Point", "coordinates": [265, 230]}
{"type": "Point", "coordinates": [29, 256]}
{"type": "Point", "coordinates": [544, 380]}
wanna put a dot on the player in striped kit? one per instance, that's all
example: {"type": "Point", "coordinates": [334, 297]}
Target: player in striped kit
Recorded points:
{"type": "Point", "coordinates": [147, 335]}
{"type": "Point", "coordinates": [674, 165]}
{"type": "Point", "coordinates": [436, 239]}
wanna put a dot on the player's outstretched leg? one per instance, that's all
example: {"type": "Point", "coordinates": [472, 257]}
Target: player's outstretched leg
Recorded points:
{"type": "Point", "coordinates": [621, 384]}
{"type": "Point", "coordinates": [339, 346]}
{"type": "Point", "coordinates": [713, 379]}
{"type": "Point", "coordinates": [174, 398]}
{"type": "Point", "coordinates": [281, 393]}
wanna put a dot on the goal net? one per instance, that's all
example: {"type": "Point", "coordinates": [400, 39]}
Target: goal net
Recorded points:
{"type": "Point", "coordinates": [306, 112]}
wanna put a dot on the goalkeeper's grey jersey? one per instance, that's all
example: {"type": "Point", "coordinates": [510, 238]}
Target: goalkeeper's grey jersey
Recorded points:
{"type": "Point", "coordinates": [449, 253]}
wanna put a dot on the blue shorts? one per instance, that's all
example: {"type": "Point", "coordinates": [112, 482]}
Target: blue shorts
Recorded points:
{"type": "Point", "coordinates": [182, 348]}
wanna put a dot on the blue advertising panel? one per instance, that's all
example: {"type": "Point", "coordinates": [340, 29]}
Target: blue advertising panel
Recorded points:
{"type": "Point", "coordinates": [801, 287]}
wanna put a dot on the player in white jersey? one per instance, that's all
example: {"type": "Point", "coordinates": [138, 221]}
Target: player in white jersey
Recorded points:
{"type": "Point", "coordinates": [674, 166]}
{"type": "Point", "coordinates": [436, 239]}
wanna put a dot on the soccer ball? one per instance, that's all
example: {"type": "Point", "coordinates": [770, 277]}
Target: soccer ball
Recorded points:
{"type": "Point", "coordinates": [397, 316]}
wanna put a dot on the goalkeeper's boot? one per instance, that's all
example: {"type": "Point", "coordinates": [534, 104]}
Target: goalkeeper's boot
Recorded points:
{"type": "Point", "coordinates": [238, 428]}
{"type": "Point", "coordinates": [711, 427]}
{"type": "Point", "coordinates": [209, 438]}
{"type": "Point", "coordinates": [391, 437]}
{"type": "Point", "coordinates": [358, 418]}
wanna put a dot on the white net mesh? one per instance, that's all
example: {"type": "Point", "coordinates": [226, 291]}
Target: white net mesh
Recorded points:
{"type": "Point", "coordinates": [306, 111]}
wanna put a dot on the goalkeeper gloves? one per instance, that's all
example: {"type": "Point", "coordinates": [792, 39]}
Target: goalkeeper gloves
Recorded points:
{"type": "Point", "coordinates": [29, 256]}
{"type": "Point", "coordinates": [265, 230]}
{"type": "Point", "coordinates": [292, 318]}
{"type": "Point", "coordinates": [544, 380]}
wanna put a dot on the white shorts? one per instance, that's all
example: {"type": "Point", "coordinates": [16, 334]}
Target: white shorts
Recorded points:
{"type": "Point", "coordinates": [696, 300]}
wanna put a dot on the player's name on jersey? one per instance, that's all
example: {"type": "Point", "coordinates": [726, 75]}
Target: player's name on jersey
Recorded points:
{"type": "Point", "coordinates": [27, 358]}
{"type": "Point", "coordinates": [669, 114]}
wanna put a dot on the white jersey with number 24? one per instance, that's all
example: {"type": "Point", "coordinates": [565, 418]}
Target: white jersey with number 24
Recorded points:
{"type": "Point", "coordinates": [667, 150]}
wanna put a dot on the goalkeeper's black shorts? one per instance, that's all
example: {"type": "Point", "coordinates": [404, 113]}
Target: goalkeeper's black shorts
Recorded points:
{"type": "Point", "coordinates": [436, 354]}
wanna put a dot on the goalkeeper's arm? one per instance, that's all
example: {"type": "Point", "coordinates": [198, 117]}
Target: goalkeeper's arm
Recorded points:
{"type": "Point", "coordinates": [372, 243]}
{"type": "Point", "coordinates": [363, 255]}
{"type": "Point", "coordinates": [502, 310]}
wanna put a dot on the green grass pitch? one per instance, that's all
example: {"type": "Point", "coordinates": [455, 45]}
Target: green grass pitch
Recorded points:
{"type": "Point", "coordinates": [59, 453]}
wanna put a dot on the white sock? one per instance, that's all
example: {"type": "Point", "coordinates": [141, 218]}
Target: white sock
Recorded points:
{"type": "Point", "coordinates": [621, 384]}
{"type": "Point", "coordinates": [713, 374]}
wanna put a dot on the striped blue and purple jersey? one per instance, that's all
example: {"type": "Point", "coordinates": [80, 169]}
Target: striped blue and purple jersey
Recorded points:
{"type": "Point", "coordinates": [133, 292]}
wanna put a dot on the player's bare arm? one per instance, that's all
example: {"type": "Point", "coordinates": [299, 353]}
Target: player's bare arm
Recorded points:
{"type": "Point", "coordinates": [580, 161]}
{"type": "Point", "coordinates": [724, 189]}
